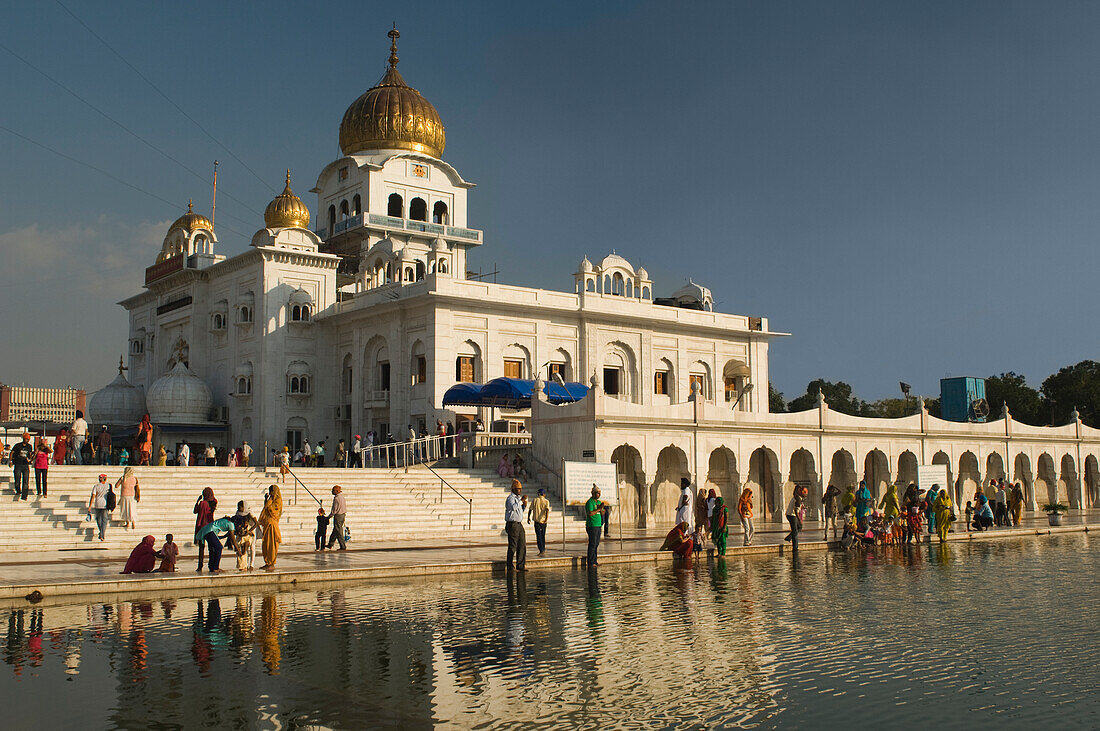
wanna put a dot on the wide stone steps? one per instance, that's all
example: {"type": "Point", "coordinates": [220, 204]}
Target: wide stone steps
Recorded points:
{"type": "Point", "coordinates": [383, 504]}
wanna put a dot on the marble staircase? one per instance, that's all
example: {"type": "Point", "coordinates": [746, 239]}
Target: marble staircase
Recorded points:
{"type": "Point", "coordinates": [383, 505]}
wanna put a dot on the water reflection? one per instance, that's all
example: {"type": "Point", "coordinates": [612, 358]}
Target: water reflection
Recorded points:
{"type": "Point", "coordinates": [792, 640]}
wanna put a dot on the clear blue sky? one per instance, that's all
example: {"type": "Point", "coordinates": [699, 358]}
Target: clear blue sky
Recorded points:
{"type": "Point", "coordinates": [907, 187]}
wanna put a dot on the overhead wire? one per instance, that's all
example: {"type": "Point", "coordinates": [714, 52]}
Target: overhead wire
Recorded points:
{"type": "Point", "coordinates": [167, 98]}
{"type": "Point", "coordinates": [126, 129]}
{"type": "Point", "coordinates": [103, 172]}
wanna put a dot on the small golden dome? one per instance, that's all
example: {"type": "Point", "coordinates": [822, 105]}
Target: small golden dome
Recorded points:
{"type": "Point", "coordinates": [190, 221]}
{"type": "Point", "coordinates": [392, 115]}
{"type": "Point", "coordinates": [286, 210]}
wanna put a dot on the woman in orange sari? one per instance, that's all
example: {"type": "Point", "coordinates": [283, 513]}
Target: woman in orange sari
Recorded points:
{"type": "Point", "coordinates": [269, 521]}
{"type": "Point", "coordinates": [143, 442]}
{"type": "Point", "coordinates": [744, 509]}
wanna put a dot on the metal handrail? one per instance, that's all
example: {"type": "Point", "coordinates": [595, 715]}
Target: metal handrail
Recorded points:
{"type": "Point", "coordinates": [299, 482]}
{"type": "Point", "coordinates": [419, 450]}
{"type": "Point", "coordinates": [469, 500]}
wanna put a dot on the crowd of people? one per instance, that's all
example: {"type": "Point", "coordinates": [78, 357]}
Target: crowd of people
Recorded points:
{"type": "Point", "coordinates": [239, 532]}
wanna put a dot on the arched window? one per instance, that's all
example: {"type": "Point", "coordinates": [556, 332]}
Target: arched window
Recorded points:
{"type": "Point", "coordinates": [244, 386]}
{"type": "Point", "coordinates": [245, 314]}
{"type": "Point", "coordinates": [331, 218]}
{"type": "Point", "coordinates": [590, 285]}
{"type": "Point", "coordinates": [419, 270]}
{"type": "Point", "coordinates": [356, 205]}
{"type": "Point", "coordinates": [304, 384]}
{"type": "Point", "coordinates": [396, 206]}
{"type": "Point", "coordinates": [408, 274]}
{"type": "Point", "coordinates": [442, 266]}
{"type": "Point", "coordinates": [418, 209]}
{"type": "Point", "coordinates": [617, 284]}
{"type": "Point", "coordinates": [299, 313]}
{"type": "Point", "coordinates": [343, 210]}
{"type": "Point", "coordinates": [439, 212]}
{"type": "Point", "coordinates": [295, 385]}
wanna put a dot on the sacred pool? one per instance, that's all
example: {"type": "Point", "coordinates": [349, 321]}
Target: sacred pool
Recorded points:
{"type": "Point", "coordinates": [998, 632]}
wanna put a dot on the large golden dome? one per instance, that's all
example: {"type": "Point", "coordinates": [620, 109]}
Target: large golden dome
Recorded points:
{"type": "Point", "coordinates": [190, 221]}
{"type": "Point", "coordinates": [286, 210]}
{"type": "Point", "coordinates": [392, 115]}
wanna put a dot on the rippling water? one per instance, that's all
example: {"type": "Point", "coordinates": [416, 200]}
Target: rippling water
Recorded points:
{"type": "Point", "coordinates": [1000, 632]}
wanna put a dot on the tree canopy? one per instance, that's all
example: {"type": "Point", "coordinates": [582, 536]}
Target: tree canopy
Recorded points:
{"type": "Point", "coordinates": [1076, 386]}
{"type": "Point", "coordinates": [1024, 402]}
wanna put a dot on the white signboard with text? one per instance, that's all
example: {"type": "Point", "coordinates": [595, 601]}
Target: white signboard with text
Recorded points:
{"type": "Point", "coordinates": [930, 474]}
{"type": "Point", "coordinates": [579, 477]}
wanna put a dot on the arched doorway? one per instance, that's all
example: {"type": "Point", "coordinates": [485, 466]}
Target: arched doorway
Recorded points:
{"type": "Point", "coordinates": [876, 472]}
{"type": "Point", "coordinates": [722, 477]}
{"type": "Point", "coordinates": [942, 458]}
{"type": "Point", "coordinates": [1068, 486]}
{"type": "Point", "coordinates": [672, 466]}
{"type": "Point", "coordinates": [969, 477]}
{"type": "Point", "coordinates": [842, 473]}
{"type": "Point", "coordinates": [803, 474]}
{"type": "Point", "coordinates": [1021, 473]}
{"type": "Point", "coordinates": [632, 497]}
{"type": "Point", "coordinates": [764, 481]}
{"type": "Point", "coordinates": [907, 471]}
{"type": "Point", "coordinates": [1092, 481]}
{"type": "Point", "coordinates": [1046, 481]}
{"type": "Point", "coordinates": [994, 468]}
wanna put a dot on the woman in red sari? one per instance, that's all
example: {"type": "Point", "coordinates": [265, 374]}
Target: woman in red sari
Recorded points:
{"type": "Point", "coordinates": [143, 558]}
{"type": "Point", "coordinates": [679, 541]}
{"type": "Point", "coordinates": [143, 442]}
{"type": "Point", "coordinates": [60, 446]}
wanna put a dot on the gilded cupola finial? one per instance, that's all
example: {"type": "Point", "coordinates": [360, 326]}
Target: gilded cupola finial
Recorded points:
{"type": "Point", "coordinates": [190, 205]}
{"type": "Point", "coordinates": [394, 35]}
{"type": "Point", "coordinates": [286, 210]}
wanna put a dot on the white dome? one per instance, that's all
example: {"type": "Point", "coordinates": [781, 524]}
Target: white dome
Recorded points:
{"type": "Point", "coordinates": [119, 403]}
{"type": "Point", "coordinates": [180, 397]}
{"type": "Point", "coordinates": [613, 261]}
{"type": "Point", "coordinates": [643, 273]}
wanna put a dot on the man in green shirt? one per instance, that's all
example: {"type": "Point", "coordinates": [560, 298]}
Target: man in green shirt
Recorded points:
{"type": "Point", "coordinates": [593, 523]}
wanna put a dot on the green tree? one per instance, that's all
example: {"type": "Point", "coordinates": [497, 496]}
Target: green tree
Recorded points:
{"type": "Point", "coordinates": [891, 408]}
{"type": "Point", "coordinates": [1074, 386]}
{"type": "Point", "coordinates": [776, 403]}
{"type": "Point", "coordinates": [838, 395]}
{"type": "Point", "coordinates": [1023, 401]}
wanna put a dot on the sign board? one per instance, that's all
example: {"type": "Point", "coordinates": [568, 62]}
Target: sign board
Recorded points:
{"type": "Point", "coordinates": [588, 454]}
{"type": "Point", "coordinates": [580, 476]}
{"type": "Point", "coordinates": [931, 474]}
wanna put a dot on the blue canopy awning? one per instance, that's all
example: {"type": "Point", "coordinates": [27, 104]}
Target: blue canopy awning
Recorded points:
{"type": "Point", "coordinates": [511, 393]}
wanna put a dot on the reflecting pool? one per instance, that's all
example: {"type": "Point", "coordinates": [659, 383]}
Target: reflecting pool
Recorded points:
{"type": "Point", "coordinates": [998, 632]}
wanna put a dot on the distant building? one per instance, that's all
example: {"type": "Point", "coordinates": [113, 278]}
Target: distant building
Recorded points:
{"type": "Point", "coordinates": [31, 405]}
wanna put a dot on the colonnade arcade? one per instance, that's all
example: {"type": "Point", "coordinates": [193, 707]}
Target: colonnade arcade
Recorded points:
{"type": "Point", "coordinates": [649, 486]}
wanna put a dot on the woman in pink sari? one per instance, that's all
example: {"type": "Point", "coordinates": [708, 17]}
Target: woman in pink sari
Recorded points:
{"type": "Point", "coordinates": [143, 558]}
{"type": "Point", "coordinates": [504, 467]}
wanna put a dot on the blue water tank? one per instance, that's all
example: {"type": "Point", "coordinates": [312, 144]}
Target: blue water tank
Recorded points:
{"type": "Point", "coordinates": [958, 397]}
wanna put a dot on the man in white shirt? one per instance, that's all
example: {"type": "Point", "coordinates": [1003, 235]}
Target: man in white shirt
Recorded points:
{"type": "Point", "coordinates": [184, 456]}
{"type": "Point", "coordinates": [97, 503]}
{"type": "Point", "coordinates": [211, 455]}
{"type": "Point", "coordinates": [685, 491]}
{"type": "Point", "coordinates": [514, 508]}
{"type": "Point", "coordinates": [246, 452]}
{"type": "Point", "coordinates": [307, 454]}
{"type": "Point", "coordinates": [355, 459]}
{"type": "Point", "coordinates": [338, 512]}
{"type": "Point", "coordinates": [80, 435]}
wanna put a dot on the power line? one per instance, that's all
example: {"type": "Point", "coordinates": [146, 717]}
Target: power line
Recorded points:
{"type": "Point", "coordinates": [167, 98]}
{"type": "Point", "coordinates": [122, 126]}
{"type": "Point", "coordinates": [101, 171]}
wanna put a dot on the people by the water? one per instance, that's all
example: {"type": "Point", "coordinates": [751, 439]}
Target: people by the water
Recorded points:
{"type": "Point", "coordinates": [269, 524]}
{"type": "Point", "coordinates": [168, 554]}
{"type": "Point", "coordinates": [889, 503]}
{"type": "Point", "coordinates": [515, 505]}
{"type": "Point", "coordinates": [244, 536]}
{"type": "Point", "coordinates": [830, 502]}
{"type": "Point", "coordinates": [143, 559]}
{"type": "Point", "coordinates": [539, 515]}
{"type": "Point", "coordinates": [593, 523]}
{"type": "Point", "coordinates": [983, 517]}
{"type": "Point", "coordinates": [744, 510]}
{"type": "Point", "coordinates": [795, 510]}
{"type": "Point", "coordinates": [679, 541]}
{"type": "Point", "coordinates": [719, 525]}
{"type": "Point", "coordinates": [321, 534]}
{"type": "Point", "coordinates": [204, 515]}
{"type": "Point", "coordinates": [211, 535]}
{"type": "Point", "coordinates": [944, 514]}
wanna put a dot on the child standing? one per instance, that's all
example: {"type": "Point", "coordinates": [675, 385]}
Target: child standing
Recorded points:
{"type": "Point", "coordinates": [322, 530]}
{"type": "Point", "coordinates": [969, 515]}
{"type": "Point", "coordinates": [167, 555]}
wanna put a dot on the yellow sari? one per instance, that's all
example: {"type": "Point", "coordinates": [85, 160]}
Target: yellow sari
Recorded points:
{"type": "Point", "coordinates": [269, 521]}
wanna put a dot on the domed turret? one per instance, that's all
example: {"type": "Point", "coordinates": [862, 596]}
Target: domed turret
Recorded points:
{"type": "Point", "coordinates": [286, 210]}
{"type": "Point", "coordinates": [179, 397]}
{"type": "Point", "coordinates": [190, 222]}
{"type": "Point", "coordinates": [191, 233]}
{"type": "Point", "coordinates": [119, 403]}
{"type": "Point", "coordinates": [392, 115]}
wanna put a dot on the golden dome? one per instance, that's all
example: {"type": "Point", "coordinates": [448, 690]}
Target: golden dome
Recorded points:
{"type": "Point", "coordinates": [190, 221]}
{"type": "Point", "coordinates": [392, 115]}
{"type": "Point", "coordinates": [286, 210]}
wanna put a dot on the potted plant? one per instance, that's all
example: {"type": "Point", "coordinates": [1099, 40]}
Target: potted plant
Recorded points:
{"type": "Point", "coordinates": [1054, 512]}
